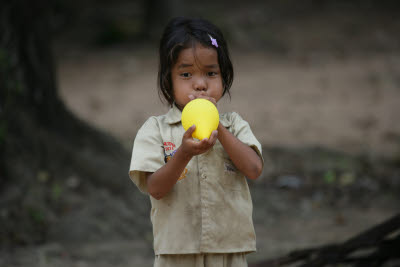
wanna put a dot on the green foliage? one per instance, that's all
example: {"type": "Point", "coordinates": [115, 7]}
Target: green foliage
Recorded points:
{"type": "Point", "coordinates": [330, 177]}
{"type": "Point", "coordinates": [37, 214]}
{"type": "Point", "coordinates": [344, 163]}
{"type": "Point", "coordinates": [56, 191]}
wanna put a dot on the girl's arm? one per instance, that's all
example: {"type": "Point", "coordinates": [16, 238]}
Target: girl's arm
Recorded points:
{"type": "Point", "coordinates": [244, 157]}
{"type": "Point", "coordinates": [163, 180]}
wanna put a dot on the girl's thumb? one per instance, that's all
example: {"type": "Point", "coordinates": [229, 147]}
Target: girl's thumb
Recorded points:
{"type": "Point", "coordinates": [190, 131]}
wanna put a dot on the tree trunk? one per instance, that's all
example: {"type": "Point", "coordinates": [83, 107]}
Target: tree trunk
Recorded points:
{"type": "Point", "coordinates": [26, 53]}
{"type": "Point", "coordinates": [43, 144]}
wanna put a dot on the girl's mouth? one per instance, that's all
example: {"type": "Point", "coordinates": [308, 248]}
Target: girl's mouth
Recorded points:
{"type": "Point", "coordinates": [191, 97]}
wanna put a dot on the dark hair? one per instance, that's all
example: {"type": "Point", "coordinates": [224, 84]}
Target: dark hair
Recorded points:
{"type": "Point", "coordinates": [182, 33]}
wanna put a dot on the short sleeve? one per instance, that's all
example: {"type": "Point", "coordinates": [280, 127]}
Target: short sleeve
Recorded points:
{"type": "Point", "coordinates": [241, 129]}
{"type": "Point", "coordinates": [147, 153]}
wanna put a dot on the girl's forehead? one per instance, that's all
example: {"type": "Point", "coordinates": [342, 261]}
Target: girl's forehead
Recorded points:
{"type": "Point", "coordinates": [198, 54]}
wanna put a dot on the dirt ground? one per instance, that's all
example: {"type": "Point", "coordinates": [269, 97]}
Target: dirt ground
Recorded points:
{"type": "Point", "coordinates": [348, 104]}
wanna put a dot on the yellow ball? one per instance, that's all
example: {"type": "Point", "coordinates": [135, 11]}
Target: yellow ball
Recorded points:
{"type": "Point", "coordinates": [203, 114]}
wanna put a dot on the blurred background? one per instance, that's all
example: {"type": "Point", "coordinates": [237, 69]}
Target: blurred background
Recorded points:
{"type": "Point", "coordinates": [318, 81]}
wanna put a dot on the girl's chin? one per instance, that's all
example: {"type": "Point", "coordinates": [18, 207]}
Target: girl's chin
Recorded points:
{"type": "Point", "coordinates": [181, 106]}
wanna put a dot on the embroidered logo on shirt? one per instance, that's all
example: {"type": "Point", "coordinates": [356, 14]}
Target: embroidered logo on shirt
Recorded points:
{"type": "Point", "coordinates": [168, 146]}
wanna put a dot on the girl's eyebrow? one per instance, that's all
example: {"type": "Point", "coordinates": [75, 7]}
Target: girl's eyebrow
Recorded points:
{"type": "Point", "coordinates": [183, 65]}
{"type": "Point", "coordinates": [211, 66]}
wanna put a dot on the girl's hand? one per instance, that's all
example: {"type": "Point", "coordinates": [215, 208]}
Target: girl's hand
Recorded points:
{"type": "Point", "coordinates": [192, 147]}
{"type": "Point", "coordinates": [212, 99]}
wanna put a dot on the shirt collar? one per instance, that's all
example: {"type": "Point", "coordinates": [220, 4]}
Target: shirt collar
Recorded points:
{"type": "Point", "coordinates": [174, 116]}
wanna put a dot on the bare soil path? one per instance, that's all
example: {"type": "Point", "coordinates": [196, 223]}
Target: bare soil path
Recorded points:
{"type": "Point", "coordinates": [347, 103]}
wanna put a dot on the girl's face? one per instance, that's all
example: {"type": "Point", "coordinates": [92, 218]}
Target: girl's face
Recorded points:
{"type": "Point", "coordinates": [196, 72]}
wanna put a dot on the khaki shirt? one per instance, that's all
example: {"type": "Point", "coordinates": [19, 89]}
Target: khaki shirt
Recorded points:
{"type": "Point", "coordinates": [209, 209]}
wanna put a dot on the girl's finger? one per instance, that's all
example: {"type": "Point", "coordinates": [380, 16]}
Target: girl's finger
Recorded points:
{"type": "Point", "coordinates": [214, 137]}
{"type": "Point", "coordinates": [189, 132]}
{"type": "Point", "coordinates": [204, 144]}
{"type": "Point", "coordinates": [212, 99]}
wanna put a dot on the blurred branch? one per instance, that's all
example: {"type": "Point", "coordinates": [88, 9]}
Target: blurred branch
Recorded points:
{"type": "Point", "coordinates": [375, 246]}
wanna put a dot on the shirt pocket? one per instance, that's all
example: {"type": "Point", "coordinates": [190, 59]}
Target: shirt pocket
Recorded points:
{"type": "Point", "coordinates": [228, 175]}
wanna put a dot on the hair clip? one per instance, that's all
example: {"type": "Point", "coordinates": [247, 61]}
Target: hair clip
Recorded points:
{"type": "Point", "coordinates": [213, 41]}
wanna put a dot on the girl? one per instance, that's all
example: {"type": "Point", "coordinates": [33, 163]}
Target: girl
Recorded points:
{"type": "Point", "coordinates": [201, 205]}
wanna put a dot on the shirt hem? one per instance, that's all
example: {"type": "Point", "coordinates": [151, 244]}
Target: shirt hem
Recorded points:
{"type": "Point", "coordinates": [206, 251]}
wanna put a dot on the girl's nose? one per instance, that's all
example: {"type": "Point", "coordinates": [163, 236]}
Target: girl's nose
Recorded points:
{"type": "Point", "coordinates": [200, 84]}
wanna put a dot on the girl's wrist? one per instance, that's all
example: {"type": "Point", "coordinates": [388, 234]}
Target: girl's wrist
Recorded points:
{"type": "Point", "coordinates": [220, 130]}
{"type": "Point", "coordinates": [184, 155]}
{"type": "Point", "coordinates": [220, 126]}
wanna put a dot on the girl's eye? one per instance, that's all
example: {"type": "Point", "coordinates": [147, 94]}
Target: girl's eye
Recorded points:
{"type": "Point", "coordinates": [186, 74]}
{"type": "Point", "coordinates": [212, 73]}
